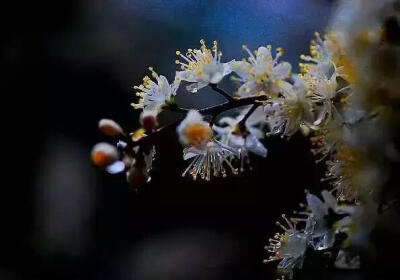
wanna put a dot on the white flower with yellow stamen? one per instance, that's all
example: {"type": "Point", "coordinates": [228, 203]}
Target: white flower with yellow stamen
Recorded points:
{"type": "Point", "coordinates": [261, 74]}
{"type": "Point", "coordinates": [194, 131]}
{"type": "Point", "coordinates": [202, 66]}
{"type": "Point", "coordinates": [289, 247]}
{"type": "Point", "coordinates": [154, 95]}
{"type": "Point", "coordinates": [209, 156]}
{"type": "Point", "coordinates": [292, 111]}
{"type": "Point", "coordinates": [327, 52]}
{"type": "Point", "coordinates": [209, 160]}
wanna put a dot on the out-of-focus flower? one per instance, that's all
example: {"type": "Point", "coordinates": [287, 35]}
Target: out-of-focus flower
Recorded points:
{"type": "Point", "coordinates": [288, 247]}
{"type": "Point", "coordinates": [155, 95]}
{"type": "Point", "coordinates": [347, 260]}
{"type": "Point", "coordinates": [104, 154]}
{"type": "Point", "coordinates": [352, 173]}
{"type": "Point", "coordinates": [360, 224]}
{"type": "Point", "coordinates": [110, 128]}
{"type": "Point", "coordinates": [326, 138]}
{"type": "Point", "coordinates": [261, 74]}
{"type": "Point", "coordinates": [325, 216]}
{"type": "Point", "coordinates": [202, 66]}
{"type": "Point", "coordinates": [291, 112]}
{"type": "Point", "coordinates": [209, 159]}
{"type": "Point", "coordinates": [194, 131]}
{"type": "Point", "coordinates": [243, 137]}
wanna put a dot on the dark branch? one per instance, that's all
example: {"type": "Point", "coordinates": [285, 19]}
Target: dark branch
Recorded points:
{"type": "Point", "coordinates": [214, 111]}
{"type": "Point", "coordinates": [222, 92]}
{"type": "Point", "coordinates": [248, 114]}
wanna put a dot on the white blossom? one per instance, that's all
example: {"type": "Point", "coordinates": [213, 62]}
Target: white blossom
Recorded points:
{"type": "Point", "coordinates": [154, 95]}
{"type": "Point", "coordinates": [193, 130]}
{"type": "Point", "coordinates": [209, 160]}
{"type": "Point", "coordinates": [261, 74]}
{"type": "Point", "coordinates": [202, 67]}
{"type": "Point", "coordinates": [290, 112]}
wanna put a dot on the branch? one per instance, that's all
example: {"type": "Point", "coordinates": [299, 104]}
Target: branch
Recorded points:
{"type": "Point", "coordinates": [248, 114]}
{"type": "Point", "coordinates": [222, 92]}
{"type": "Point", "coordinates": [214, 111]}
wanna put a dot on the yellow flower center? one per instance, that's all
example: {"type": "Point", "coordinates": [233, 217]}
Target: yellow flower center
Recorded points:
{"type": "Point", "coordinates": [197, 134]}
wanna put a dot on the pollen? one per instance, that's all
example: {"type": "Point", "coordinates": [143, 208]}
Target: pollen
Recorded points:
{"type": "Point", "coordinates": [197, 134]}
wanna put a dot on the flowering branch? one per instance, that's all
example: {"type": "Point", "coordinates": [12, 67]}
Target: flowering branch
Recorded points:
{"type": "Point", "coordinates": [213, 111]}
{"type": "Point", "coordinates": [318, 101]}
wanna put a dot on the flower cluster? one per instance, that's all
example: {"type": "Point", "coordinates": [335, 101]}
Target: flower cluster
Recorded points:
{"type": "Point", "coordinates": [345, 98]}
{"type": "Point", "coordinates": [313, 228]}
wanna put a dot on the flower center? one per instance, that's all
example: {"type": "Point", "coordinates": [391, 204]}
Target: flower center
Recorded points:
{"type": "Point", "coordinates": [197, 134]}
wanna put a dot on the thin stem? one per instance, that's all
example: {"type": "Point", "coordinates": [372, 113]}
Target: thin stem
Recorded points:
{"type": "Point", "coordinates": [248, 114]}
{"type": "Point", "coordinates": [222, 92]}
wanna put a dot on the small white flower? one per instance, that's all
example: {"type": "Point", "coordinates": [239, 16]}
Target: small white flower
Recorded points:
{"type": "Point", "coordinates": [323, 90]}
{"type": "Point", "coordinates": [154, 95]}
{"type": "Point", "coordinates": [208, 160]}
{"type": "Point", "coordinates": [290, 112]}
{"type": "Point", "coordinates": [324, 217]}
{"type": "Point", "coordinates": [244, 139]}
{"type": "Point", "coordinates": [193, 130]}
{"type": "Point", "coordinates": [327, 62]}
{"type": "Point", "coordinates": [288, 247]}
{"type": "Point", "coordinates": [202, 67]}
{"type": "Point", "coordinates": [261, 74]}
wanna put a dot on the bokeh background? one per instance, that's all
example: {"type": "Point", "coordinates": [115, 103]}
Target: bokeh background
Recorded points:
{"type": "Point", "coordinates": [71, 63]}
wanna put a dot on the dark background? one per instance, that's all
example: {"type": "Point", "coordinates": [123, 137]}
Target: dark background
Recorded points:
{"type": "Point", "coordinates": [70, 63]}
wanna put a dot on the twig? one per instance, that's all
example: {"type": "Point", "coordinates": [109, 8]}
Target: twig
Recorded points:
{"type": "Point", "coordinates": [248, 114]}
{"type": "Point", "coordinates": [214, 111]}
{"type": "Point", "coordinates": [222, 92]}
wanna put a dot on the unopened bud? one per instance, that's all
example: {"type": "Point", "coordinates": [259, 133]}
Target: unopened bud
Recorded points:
{"type": "Point", "coordinates": [110, 127]}
{"type": "Point", "coordinates": [104, 154]}
{"type": "Point", "coordinates": [148, 119]}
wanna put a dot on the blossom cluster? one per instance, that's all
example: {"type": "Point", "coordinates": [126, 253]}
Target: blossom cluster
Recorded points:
{"type": "Point", "coordinates": [345, 99]}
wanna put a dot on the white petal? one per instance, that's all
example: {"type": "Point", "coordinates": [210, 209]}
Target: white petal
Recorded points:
{"type": "Point", "coordinates": [242, 69]}
{"type": "Point", "coordinates": [255, 146]}
{"type": "Point", "coordinates": [283, 70]}
{"type": "Point", "coordinates": [329, 199]}
{"type": "Point", "coordinates": [318, 208]}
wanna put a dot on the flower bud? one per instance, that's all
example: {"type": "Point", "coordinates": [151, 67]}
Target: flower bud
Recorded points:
{"type": "Point", "coordinates": [104, 154]}
{"type": "Point", "coordinates": [110, 127]}
{"type": "Point", "coordinates": [148, 119]}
